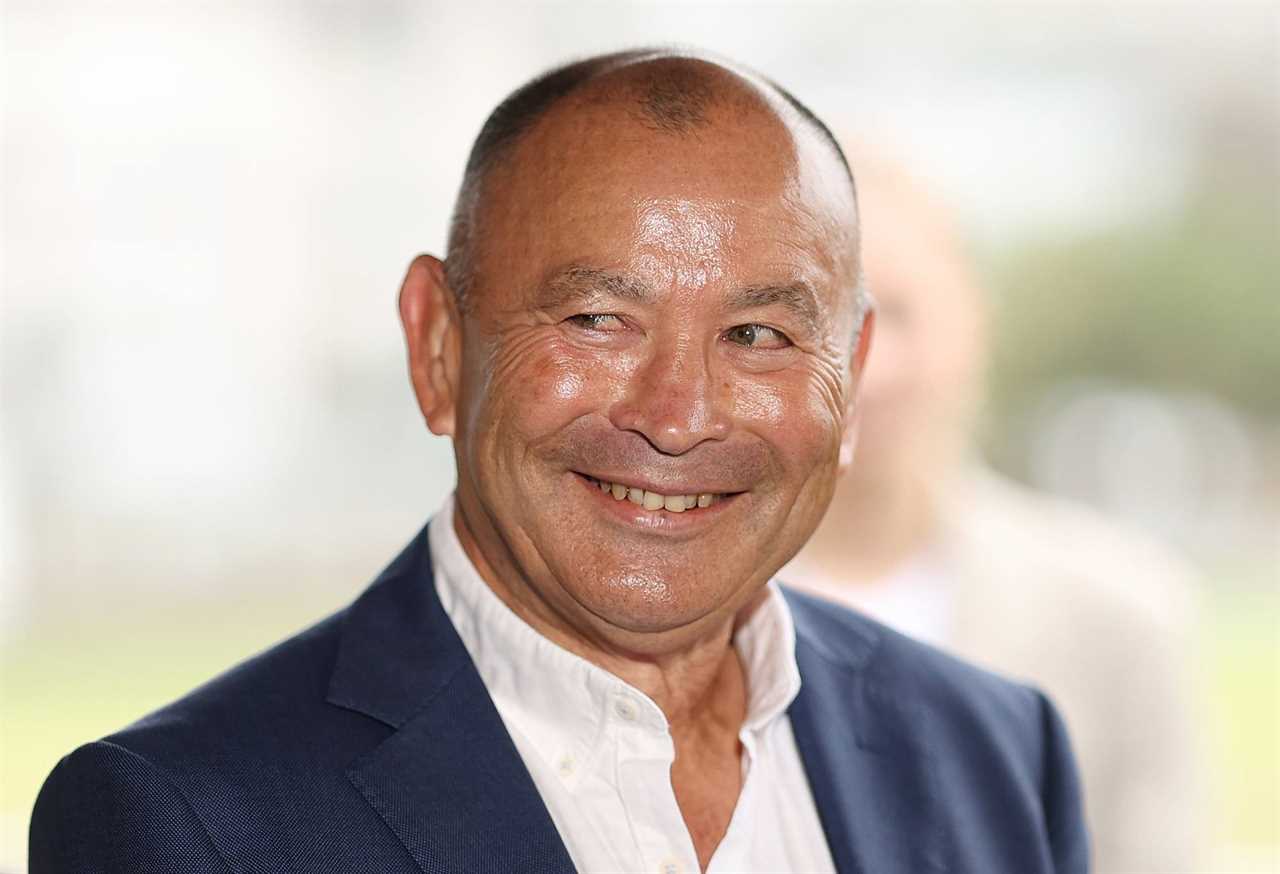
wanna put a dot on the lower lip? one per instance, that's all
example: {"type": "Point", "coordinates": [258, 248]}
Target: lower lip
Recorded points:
{"type": "Point", "coordinates": [657, 521]}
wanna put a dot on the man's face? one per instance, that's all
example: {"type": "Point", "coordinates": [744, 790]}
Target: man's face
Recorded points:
{"type": "Point", "coordinates": [669, 317]}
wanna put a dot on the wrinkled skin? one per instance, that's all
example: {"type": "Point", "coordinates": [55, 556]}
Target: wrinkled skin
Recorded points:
{"type": "Point", "coordinates": [673, 313]}
{"type": "Point", "coordinates": [606, 334]}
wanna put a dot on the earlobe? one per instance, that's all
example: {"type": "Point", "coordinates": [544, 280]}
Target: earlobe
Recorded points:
{"type": "Point", "coordinates": [848, 444]}
{"type": "Point", "coordinates": [429, 318]}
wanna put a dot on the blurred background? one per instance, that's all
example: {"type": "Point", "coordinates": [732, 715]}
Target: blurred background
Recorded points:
{"type": "Point", "coordinates": [208, 438]}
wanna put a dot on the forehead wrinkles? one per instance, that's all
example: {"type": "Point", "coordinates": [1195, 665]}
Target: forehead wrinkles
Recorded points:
{"type": "Point", "coordinates": [692, 235]}
{"type": "Point", "coordinates": [694, 230]}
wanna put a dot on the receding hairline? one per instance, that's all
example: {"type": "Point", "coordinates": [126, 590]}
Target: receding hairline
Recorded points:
{"type": "Point", "coordinates": [671, 91]}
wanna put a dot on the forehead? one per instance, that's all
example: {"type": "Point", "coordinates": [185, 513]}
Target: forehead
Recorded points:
{"type": "Point", "coordinates": [594, 180]}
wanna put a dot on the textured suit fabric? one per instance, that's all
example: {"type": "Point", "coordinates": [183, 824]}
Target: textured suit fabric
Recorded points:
{"type": "Point", "coordinates": [369, 743]}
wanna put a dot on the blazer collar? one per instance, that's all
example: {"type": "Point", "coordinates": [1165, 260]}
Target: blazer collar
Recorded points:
{"type": "Point", "coordinates": [450, 761]}
{"type": "Point", "coordinates": [398, 650]}
{"type": "Point", "coordinates": [856, 727]}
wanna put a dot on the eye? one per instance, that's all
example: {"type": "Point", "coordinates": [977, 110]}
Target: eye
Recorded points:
{"type": "Point", "coordinates": [757, 337]}
{"type": "Point", "coordinates": [603, 322]}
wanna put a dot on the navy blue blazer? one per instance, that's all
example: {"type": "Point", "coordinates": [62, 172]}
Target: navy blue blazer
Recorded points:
{"type": "Point", "coordinates": [368, 743]}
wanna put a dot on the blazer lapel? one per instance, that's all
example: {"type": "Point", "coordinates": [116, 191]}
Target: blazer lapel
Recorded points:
{"type": "Point", "coordinates": [453, 788]}
{"type": "Point", "coordinates": [871, 778]}
{"type": "Point", "coordinates": [449, 781]}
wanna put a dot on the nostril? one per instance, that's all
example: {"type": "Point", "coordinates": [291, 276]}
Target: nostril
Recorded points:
{"type": "Point", "coordinates": [672, 415]}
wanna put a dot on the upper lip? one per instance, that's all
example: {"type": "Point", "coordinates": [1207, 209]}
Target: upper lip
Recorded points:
{"type": "Point", "coordinates": [635, 481]}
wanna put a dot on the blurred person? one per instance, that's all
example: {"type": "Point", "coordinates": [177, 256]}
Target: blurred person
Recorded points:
{"type": "Point", "coordinates": [645, 344]}
{"type": "Point", "coordinates": [924, 537]}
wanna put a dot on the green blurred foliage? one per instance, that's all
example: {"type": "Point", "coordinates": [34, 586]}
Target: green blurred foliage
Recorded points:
{"type": "Point", "coordinates": [1188, 303]}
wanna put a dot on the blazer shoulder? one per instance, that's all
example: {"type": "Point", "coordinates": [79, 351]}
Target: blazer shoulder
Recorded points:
{"type": "Point", "coordinates": [267, 716]}
{"type": "Point", "coordinates": [985, 735]}
{"type": "Point", "coordinates": [107, 809]}
{"type": "Point", "coordinates": [205, 777]}
{"type": "Point", "coordinates": [910, 671]}
{"type": "Point", "coordinates": [272, 684]}
{"type": "Point", "coordinates": [273, 715]}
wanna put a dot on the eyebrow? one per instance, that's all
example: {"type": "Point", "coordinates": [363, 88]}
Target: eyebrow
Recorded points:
{"type": "Point", "coordinates": [798, 297]}
{"type": "Point", "coordinates": [578, 283]}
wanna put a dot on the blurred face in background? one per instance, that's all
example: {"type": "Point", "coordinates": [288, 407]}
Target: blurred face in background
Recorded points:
{"type": "Point", "coordinates": [922, 380]}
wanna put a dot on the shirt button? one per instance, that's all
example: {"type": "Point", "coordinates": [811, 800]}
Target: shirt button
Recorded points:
{"type": "Point", "coordinates": [669, 867]}
{"type": "Point", "coordinates": [566, 767]}
{"type": "Point", "coordinates": [625, 709]}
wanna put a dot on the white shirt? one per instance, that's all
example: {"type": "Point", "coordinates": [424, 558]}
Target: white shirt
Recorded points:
{"type": "Point", "coordinates": [600, 752]}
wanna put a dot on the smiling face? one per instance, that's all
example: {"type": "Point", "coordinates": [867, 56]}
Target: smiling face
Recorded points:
{"type": "Point", "coordinates": [655, 365]}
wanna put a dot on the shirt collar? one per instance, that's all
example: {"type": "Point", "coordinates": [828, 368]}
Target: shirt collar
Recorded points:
{"type": "Point", "coordinates": [562, 702]}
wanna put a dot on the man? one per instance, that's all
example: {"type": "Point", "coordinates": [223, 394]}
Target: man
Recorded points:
{"type": "Point", "coordinates": [923, 537]}
{"type": "Point", "coordinates": [645, 345]}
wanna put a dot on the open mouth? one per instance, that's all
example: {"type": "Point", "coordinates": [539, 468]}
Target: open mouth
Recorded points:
{"type": "Point", "coordinates": [655, 501]}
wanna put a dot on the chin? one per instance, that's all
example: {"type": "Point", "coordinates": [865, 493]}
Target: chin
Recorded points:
{"type": "Point", "coordinates": [643, 601]}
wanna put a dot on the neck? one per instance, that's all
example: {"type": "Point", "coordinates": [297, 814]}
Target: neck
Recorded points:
{"type": "Point", "coordinates": [696, 681]}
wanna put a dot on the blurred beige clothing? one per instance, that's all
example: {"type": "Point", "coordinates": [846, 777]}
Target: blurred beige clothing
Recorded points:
{"type": "Point", "coordinates": [1045, 591]}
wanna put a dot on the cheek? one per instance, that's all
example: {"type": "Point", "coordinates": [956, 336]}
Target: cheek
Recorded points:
{"type": "Point", "coordinates": [537, 385]}
{"type": "Point", "coordinates": [801, 416]}
{"type": "Point", "coordinates": [563, 384]}
{"type": "Point", "coordinates": [762, 404]}
{"type": "Point", "coordinates": [574, 381]}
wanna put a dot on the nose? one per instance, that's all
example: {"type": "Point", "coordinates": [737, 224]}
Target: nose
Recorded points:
{"type": "Point", "coordinates": [673, 399]}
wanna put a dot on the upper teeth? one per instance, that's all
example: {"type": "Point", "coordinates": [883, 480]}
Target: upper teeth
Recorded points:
{"type": "Point", "coordinates": [655, 501]}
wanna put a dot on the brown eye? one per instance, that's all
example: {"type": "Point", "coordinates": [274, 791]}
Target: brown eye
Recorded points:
{"type": "Point", "coordinates": [757, 337]}
{"type": "Point", "coordinates": [596, 321]}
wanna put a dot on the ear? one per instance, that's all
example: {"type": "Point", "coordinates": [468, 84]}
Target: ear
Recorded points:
{"type": "Point", "coordinates": [432, 333]}
{"type": "Point", "coordinates": [853, 415]}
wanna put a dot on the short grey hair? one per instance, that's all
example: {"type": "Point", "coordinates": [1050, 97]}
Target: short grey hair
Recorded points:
{"type": "Point", "coordinates": [675, 100]}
